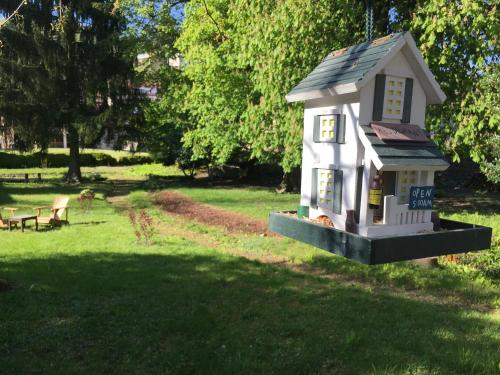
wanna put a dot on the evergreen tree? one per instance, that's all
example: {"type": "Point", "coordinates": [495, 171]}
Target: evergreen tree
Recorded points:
{"type": "Point", "coordinates": [63, 66]}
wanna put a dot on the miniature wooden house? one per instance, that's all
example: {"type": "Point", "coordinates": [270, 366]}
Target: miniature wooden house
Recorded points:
{"type": "Point", "coordinates": [365, 117]}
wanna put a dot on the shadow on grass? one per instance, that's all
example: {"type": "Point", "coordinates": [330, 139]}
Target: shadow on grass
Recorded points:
{"type": "Point", "coordinates": [485, 203]}
{"type": "Point", "coordinates": [173, 182]}
{"type": "Point", "coordinates": [436, 281]}
{"type": "Point", "coordinates": [202, 312]}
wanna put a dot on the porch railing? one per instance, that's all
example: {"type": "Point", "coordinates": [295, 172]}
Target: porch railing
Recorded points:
{"type": "Point", "coordinates": [399, 214]}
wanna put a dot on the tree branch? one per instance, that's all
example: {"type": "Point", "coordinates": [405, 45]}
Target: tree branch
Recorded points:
{"type": "Point", "coordinates": [224, 36]}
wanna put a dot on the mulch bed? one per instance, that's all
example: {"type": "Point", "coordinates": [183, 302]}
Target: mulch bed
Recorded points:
{"type": "Point", "coordinates": [179, 204]}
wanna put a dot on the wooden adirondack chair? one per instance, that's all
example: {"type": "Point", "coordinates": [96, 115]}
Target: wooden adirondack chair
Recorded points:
{"type": "Point", "coordinates": [57, 210]}
{"type": "Point", "coordinates": [3, 222]}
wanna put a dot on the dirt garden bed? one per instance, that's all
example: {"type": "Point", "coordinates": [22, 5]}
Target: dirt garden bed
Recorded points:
{"type": "Point", "coordinates": [179, 204]}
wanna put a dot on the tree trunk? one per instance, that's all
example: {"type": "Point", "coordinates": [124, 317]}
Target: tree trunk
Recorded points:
{"type": "Point", "coordinates": [290, 181]}
{"type": "Point", "coordinates": [74, 173]}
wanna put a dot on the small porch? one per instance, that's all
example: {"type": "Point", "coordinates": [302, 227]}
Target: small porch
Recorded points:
{"type": "Point", "coordinates": [402, 165]}
{"type": "Point", "coordinates": [398, 218]}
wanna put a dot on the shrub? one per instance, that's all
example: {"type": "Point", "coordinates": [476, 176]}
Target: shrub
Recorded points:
{"type": "Point", "coordinates": [103, 159]}
{"type": "Point", "coordinates": [491, 165]}
{"type": "Point", "coordinates": [185, 163]}
{"type": "Point", "coordinates": [52, 160]}
{"type": "Point", "coordinates": [87, 159]}
{"type": "Point", "coordinates": [143, 226]}
{"type": "Point", "coordinates": [86, 198]}
{"type": "Point", "coordinates": [485, 262]}
{"type": "Point", "coordinates": [134, 160]}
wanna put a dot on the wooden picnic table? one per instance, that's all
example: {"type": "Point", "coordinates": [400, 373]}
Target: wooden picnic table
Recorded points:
{"type": "Point", "coordinates": [22, 219]}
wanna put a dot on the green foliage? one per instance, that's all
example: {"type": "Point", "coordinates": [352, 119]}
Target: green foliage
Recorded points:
{"type": "Point", "coordinates": [243, 57]}
{"type": "Point", "coordinates": [186, 163]}
{"type": "Point", "coordinates": [220, 89]}
{"type": "Point", "coordinates": [459, 41]}
{"type": "Point", "coordinates": [490, 165]}
{"type": "Point", "coordinates": [486, 263]}
{"type": "Point", "coordinates": [152, 32]}
{"type": "Point", "coordinates": [63, 66]}
{"type": "Point", "coordinates": [35, 160]}
{"type": "Point", "coordinates": [279, 43]}
{"type": "Point", "coordinates": [164, 118]}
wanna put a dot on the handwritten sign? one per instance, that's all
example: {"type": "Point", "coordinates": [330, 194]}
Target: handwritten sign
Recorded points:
{"type": "Point", "coordinates": [421, 197]}
{"type": "Point", "coordinates": [399, 132]}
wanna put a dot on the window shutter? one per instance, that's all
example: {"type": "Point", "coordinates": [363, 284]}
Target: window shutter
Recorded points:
{"type": "Point", "coordinates": [378, 97]}
{"type": "Point", "coordinates": [337, 191]}
{"type": "Point", "coordinates": [407, 100]}
{"type": "Point", "coordinates": [316, 129]}
{"type": "Point", "coordinates": [314, 188]}
{"type": "Point", "coordinates": [340, 128]}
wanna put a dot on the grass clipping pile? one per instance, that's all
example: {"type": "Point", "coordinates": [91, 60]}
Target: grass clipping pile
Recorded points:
{"type": "Point", "coordinates": [181, 205]}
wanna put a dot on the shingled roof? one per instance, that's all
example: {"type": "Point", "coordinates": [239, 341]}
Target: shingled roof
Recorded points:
{"type": "Point", "coordinates": [394, 155]}
{"type": "Point", "coordinates": [347, 70]}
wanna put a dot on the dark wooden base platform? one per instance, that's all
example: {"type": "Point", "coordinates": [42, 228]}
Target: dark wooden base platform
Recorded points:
{"type": "Point", "coordinates": [455, 237]}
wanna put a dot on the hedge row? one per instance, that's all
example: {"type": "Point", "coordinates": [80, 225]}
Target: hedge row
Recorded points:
{"type": "Point", "coordinates": [37, 160]}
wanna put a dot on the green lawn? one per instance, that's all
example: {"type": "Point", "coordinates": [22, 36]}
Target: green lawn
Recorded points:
{"type": "Point", "coordinates": [136, 172]}
{"type": "Point", "coordinates": [252, 201]}
{"type": "Point", "coordinates": [89, 299]}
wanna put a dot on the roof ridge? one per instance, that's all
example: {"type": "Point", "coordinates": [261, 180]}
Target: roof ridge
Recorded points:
{"type": "Point", "coordinates": [348, 69]}
{"type": "Point", "coordinates": [374, 42]}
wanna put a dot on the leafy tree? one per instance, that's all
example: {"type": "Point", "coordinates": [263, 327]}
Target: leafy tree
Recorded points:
{"type": "Point", "coordinates": [243, 56]}
{"type": "Point", "coordinates": [459, 40]}
{"type": "Point", "coordinates": [62, 66]}
{"type": "Point", "coordinates": [152, 32]}
{"type": "Point", "coordinates": [279, 43]}
{"type": "Point", "coordinates": [220, 88]}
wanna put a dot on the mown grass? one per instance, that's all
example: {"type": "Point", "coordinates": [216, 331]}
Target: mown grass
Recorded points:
{"type": "Point", "coordinates": [256, 202]}
{"type": "Point", "coordinates": [481, 209]}
{"type": "Point", "coordinates": [136, 172]}
{"type": "Point", "coordinates": [88, 298]}
{"type": "Point", "coordinates": [449, 280]}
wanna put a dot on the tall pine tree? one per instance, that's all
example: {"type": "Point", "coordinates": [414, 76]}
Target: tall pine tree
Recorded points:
{"type": "Point", "coordinates": [64, 66]}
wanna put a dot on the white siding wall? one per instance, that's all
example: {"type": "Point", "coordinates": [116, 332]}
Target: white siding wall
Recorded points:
{"type": "Point", "coordinates": [332, 155]}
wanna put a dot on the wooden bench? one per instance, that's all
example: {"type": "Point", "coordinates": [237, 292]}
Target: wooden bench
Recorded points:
{"type": "Point", "coordinates": [21, 177]}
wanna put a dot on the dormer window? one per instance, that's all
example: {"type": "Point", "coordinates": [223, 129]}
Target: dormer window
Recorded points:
{"type": "Point", "coordinates": [394, 97]}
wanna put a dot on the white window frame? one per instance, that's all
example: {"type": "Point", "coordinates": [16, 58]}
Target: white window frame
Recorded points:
{"type": "Point", "coordinates": [325, 188]}
{"type": "Point", "coordinates": [394, 94]}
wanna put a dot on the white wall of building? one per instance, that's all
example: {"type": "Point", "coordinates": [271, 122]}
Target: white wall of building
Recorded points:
{"type": "Point", "coordinates": [344, 156]}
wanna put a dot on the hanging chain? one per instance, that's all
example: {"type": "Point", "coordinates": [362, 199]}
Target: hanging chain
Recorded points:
{"type": "Point", "coordinates": [369, 20]}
